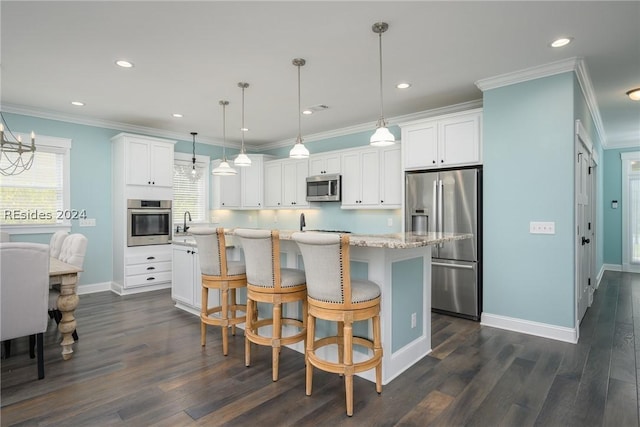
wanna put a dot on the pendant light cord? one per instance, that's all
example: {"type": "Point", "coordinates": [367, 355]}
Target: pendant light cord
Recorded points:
{"type": "Point", "coordinates": [380, 49]}
{"type": "Point", "coordinates": [299, 107]}
{"type": "Point", "coordinates": [242, 130]}
{"type": "Point", "coordinates": [224, 129]}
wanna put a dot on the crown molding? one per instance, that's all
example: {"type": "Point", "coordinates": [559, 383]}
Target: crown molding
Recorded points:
{"type": "Point", "coordinates": [398, 120]}
{"type": "Point", "coordinates": [125, 127]}
{"type": "Point", "coordinates": [575, 64]}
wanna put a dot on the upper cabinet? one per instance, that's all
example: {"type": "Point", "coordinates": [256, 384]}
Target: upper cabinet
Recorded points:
{"type": "Point", "coordinates": [243, 190]}
{"type": "Point", "coordinates": [326, 163]}
{"type": "Point", "coordinates": [147, 161]}
{"type": "Point", "coordinates": [285, 183]}
{"type": "Point", "coordinates": [451, 140]}
{"type": "Point", "coordinates": [372, 178]}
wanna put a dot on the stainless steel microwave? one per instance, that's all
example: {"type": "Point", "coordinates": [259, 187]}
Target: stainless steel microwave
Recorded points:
{"type": "Point", "coordinates": [324, 188]}
{"type": "Point", "coordinates": [148, 222]}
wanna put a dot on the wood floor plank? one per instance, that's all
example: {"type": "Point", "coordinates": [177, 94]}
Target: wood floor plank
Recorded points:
{"type": "Point", "coordinates": [128, 370]}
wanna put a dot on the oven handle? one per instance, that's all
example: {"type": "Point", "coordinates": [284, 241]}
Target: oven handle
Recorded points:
{"type": "Point", "coordinates": [150, 211]}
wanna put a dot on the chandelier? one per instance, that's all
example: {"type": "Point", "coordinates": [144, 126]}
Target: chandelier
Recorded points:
{"type": "Point", "coordinates": [16, 157]}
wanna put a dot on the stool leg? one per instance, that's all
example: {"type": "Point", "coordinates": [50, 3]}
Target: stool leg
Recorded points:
{"type": "Point", "coordinates": [247, 330]}
{"type": "Point", "coordinates": [311, 332]}
{"type": "Point", "coordinates": [348, 365]}
{"type": "Point", "coordinates": [377, 349]}
{"type": "Point", "coordinates": [203, 315]}
{"type": "Point", "coordinates": [232, 293]}
{"type": "Point", "coordinates": [340, 333]}
{"type": "Point", "coordinates": [225, 310]}
{"type": "Point", "coordinates": [275, 338]}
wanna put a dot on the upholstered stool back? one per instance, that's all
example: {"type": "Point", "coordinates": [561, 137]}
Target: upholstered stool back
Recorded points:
{"type": "Point", "coordinates": [268, 283]}
{"type": "Point", "coordinates": [220, 274]}
{"type": "Point", "coordinates": [334, 296]}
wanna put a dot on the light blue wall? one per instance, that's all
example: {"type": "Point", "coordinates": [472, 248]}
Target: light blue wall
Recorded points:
{"type": "Point", "coordinates": [612, 190]}
{"type": "Point", "coordinates": [528, 176]}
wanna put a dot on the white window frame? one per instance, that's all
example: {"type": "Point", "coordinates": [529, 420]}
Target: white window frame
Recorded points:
{"type": "Point", "coordinates": [627, 158]}
{"type": "Point", "coordinates": [201, 162]}
{"type": "Point", "coordinates": [50, 144]}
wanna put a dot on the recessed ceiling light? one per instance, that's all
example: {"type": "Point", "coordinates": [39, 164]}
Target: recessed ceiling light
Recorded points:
{"type": "Point", "coordinates": [124, 64]}
{"type": "Point", "coordinates": [77, 103]}
{"type": "Point", "coordinates": [314, 109]}
{"type": "Point", "coordinates": [177, 115]}
{"type": "Point", "coordinates": [307, 112]}
{"type": "Point", "coordinates": [403, 85]}
{"type": "Point", "coordinates": [244, 129]}
{"type": "Point", "coordinates": [634, 94]}
{"type": "Point", "coordinates": [562, 41]}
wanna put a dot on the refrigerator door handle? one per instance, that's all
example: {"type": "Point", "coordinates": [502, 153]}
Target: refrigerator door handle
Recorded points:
{"type": "Point", "coordinates": [434, 205]}
{"type": "Point", "coordinates": [440, 208]}
{"type": "Point", "coordinates": [463, 266]}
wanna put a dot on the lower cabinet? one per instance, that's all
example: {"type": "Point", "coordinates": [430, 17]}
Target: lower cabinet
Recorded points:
{"type": "Point", "coordinates": [186, 284]}
{"type": "Point", "coordinates": [148, 266]}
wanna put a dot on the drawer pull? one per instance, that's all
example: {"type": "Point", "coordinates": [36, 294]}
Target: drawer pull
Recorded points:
{"type": "Point", "coordinates": [151, 257]}
{"type": "Point", "coordinates": [151, 278]}
{"type": "Point", "coordinates": [151, 268]}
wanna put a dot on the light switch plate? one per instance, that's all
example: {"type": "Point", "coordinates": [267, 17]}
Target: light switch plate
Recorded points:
{"type": "Point", "coordinates": [87, 222]}
{"type": "Point", "coordinates": [537, 227]}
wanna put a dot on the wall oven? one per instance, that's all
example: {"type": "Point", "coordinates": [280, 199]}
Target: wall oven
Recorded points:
{"type": "Point", "coordinates": [148, 222]}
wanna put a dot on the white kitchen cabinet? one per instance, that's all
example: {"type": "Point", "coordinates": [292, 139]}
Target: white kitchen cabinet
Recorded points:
{"type": "Point", "coordinates": [391, 177]}
{"type": "Point", "coordinates": [147, 266]}
{"type": "Point", "coordinates": [149, 161]}
{"type": "Point", "coordinates": [445, 141]}
{"type": "Point", "coordinates": [372, 178]}
{"type": "Point", "coordinates": [285, 183]}
{"type": "Point", "coordinates": [186, 284]}
{"type": "Point", "coordinates": [320, 164]}
{"type": "Point", "coordinates": [245, 190]}
{"type": "Point", "coordinates": [360, 178]}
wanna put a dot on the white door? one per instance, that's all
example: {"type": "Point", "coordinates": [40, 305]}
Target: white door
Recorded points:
{"type": "Point", "coordinates": [583, 234]}
{"type": "Point", "coordinates": [630, 205]}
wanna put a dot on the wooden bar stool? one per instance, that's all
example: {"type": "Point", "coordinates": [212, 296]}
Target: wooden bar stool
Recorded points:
{"type": "Point", "coordinates": [226, 277]}
{"type": "Point", "coordinates": [268, 283]}
{"type": "Point", "coordinates": [334, 296]}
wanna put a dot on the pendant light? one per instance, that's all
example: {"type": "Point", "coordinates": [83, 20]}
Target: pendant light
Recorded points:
{"type": "Point", "coordinates": [224, 169]}
{"type": "Point", "coordinates": [299, 151]}
{"type": "Point", "coordinates": [382, 137]}
{"type": "Point", "coordinates": [195, 173]}
{"type": "Point", "coordinates": [242, 160]}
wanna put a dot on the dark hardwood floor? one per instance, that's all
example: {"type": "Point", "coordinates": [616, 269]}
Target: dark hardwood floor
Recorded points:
{"type": "Point", "coordinates": [139, 362]}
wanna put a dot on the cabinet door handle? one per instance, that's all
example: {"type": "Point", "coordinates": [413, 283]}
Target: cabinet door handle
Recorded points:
{"type": "Point", "coordinates": [151, 257]}
{"type": "Point", "coordinates": [441, 161]}
{"type": "Point", "coordinates": [151, 268]}
{"type": "Point", "coordinates": [151, 278]}
{"type": "Point", "coordinates": [148, 182]}
{"type": "Point", "coordinates": [433, 161]}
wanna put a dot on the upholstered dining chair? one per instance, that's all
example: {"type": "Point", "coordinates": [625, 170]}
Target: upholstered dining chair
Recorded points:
{"type": "Point", "coordinates": [268, 283]}
{"type": "Point", "coordinates": [23, 293]}
{"type": "Point", "coordinates": [334, 296]}
{"type": "Point", "coordinates": [55, 245]}
{"type": "Point", "coordinates": [72, 251]}
{"type": "Point", "coordinates": [221, 274]}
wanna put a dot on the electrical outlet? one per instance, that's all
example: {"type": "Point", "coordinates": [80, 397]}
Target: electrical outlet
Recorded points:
{"type": "Point", "coordinates": [390, 222]}
{"type": "Point", "coordinates": [275, 218]}
{"type": "Point", "coordinates": [215, 219]}
{"type": "Point", "coordinates": [414, 320]}
{"type": "Point", "coordinates": [250, 218]}
{"type": "Point", "coordinates": [536, 227]}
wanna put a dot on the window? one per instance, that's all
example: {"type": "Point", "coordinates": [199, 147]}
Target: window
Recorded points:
{"type": "Point", "coordinates": [190, 195]}
{"type": "Point", "coordinates": [37, 200]}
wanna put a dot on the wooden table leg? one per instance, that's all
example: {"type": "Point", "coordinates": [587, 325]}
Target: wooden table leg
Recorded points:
{"type": "Point", "coordinates": [67, 303]}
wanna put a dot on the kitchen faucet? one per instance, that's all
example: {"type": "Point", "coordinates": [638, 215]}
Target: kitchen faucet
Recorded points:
{"type": "Point", "coordinates": [184, 227]}
{"type": "Point", "coordinates": [302, 222]}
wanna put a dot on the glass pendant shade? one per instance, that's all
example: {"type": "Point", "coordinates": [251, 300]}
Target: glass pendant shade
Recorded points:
{"type": "Point", "coordinates": [242, 160]}
{"type": "Point", "coordinates": [382, 137]}
{"type": "Point", "coordinates": [299, 151]}
{"type": "Point", "coordinates": [224, 169]}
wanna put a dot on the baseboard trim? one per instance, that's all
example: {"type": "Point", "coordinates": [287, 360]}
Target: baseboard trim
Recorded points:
{"type": "Point", "coordinates": [120, 290]}
{"type": "Point", "coordinates": [92, 288]}
{"type": "Point", "coordinates": [599, 277]}
{"type": "Point", "coordinates": [529, 327]}
{"type": "Point", "coordinates": [612, 267]}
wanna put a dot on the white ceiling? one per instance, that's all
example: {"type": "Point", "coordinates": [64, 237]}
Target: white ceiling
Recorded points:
{"type": "Point", "coordinates": [189, 55]}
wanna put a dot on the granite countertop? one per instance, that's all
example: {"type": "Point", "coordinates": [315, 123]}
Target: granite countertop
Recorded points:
{"type": "Point", "coordinates": [390, 241]}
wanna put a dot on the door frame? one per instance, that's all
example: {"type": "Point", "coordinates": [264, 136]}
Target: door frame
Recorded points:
{"type": "Point", "coordinates": [626, 158]}
{"type": "Point", "coordinates": [582, 139]}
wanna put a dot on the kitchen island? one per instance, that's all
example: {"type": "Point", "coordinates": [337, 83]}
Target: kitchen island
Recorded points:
{"type": "Point", "coordinates": [400, 264]}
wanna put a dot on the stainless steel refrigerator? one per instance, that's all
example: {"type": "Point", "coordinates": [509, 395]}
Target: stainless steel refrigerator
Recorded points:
{"type": "Point", "coordinates": [450, 200]}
